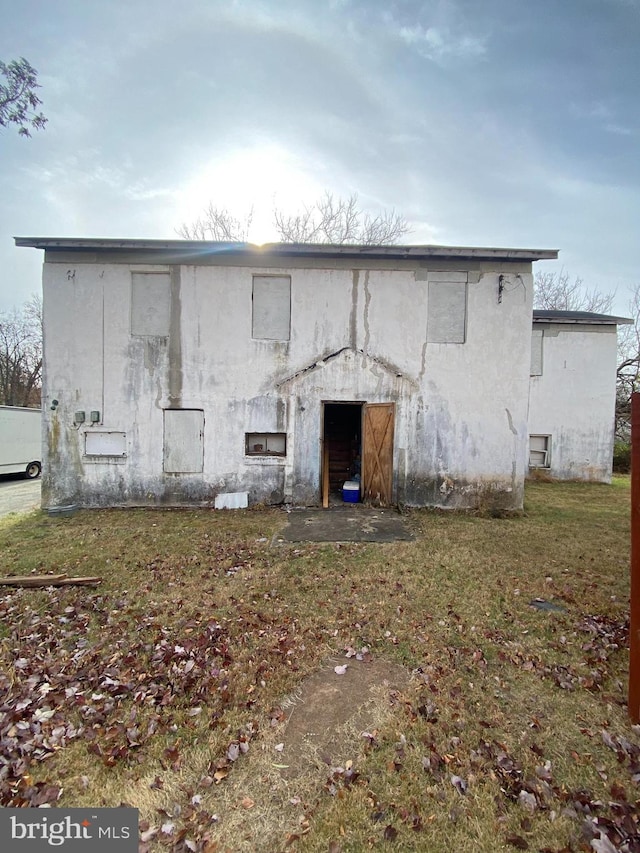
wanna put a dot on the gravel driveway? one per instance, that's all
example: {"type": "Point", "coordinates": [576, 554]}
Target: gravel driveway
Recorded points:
{"type": "Point", "coordinates": [18, 494]}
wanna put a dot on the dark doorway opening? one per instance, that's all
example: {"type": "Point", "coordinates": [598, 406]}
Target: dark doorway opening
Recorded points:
{"type": "Point", "coordinates": [342, 447]}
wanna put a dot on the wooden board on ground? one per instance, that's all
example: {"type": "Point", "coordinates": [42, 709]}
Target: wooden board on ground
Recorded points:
{"type": "Point", "coordinates": [48, 580]}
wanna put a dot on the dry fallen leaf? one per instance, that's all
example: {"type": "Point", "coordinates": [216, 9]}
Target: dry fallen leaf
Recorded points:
{"type": "Point", "coordinates": [459, 784]}
{"type": "Point", "coordinates": [528, 800]}
{"type": "Point", "coordinates": [148, 834]}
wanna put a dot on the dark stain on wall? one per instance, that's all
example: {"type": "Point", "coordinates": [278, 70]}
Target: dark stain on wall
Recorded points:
{"type": "Point", "coordinates": [175, 342]}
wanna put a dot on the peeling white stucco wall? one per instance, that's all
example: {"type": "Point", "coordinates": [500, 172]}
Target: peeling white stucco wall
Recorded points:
{"type": "Point", "coordinates": [356, 334]}
{"type": "Point", "coordinates": [573, 400]}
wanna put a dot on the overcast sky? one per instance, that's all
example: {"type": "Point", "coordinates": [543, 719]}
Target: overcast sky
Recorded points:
{"type": "Point", "coordinates": [484, 122]}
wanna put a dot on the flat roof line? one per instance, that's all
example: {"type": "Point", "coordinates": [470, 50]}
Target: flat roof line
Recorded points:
{"type": "Point", "coordinates": [195, 247]}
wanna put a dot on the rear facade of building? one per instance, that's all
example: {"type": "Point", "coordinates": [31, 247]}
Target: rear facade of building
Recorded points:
{"type": "Point", "coordinates": [177, 372]}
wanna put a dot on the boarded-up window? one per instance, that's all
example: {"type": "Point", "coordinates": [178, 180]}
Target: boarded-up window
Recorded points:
{"type": "Point", "coordinates": [539, 451]}
{"type": "Point", "coordinates": [104, 443]}
{"type": "Point", "coordinates": [183, 441]}
{"type": "Point", "coordinates": [536, 352]}
{"type": "Point", "coordinates": [447, 308]}
{"type": "Point", "coordinates": [150, 304]}
{"type": "Point", "coordinates": [271, 308]}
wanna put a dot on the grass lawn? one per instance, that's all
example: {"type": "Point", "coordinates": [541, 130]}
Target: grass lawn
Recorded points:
{"type": "Point", "coordinates": [165, 688]}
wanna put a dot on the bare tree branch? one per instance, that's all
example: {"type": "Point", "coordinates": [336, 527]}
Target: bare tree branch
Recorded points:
{"type": "Point", "coordinates": [216, 223]}
{"type": "Point", "coordinates": [338, 221]}
{"type": "Point", "coordinates": [21, 355]}
{"type": "Point", "coordinates": [330, 220]}
{"type": "Point", "coordinates": [555, 291]}
{"type": "Point", "coordinates": [628, 372]}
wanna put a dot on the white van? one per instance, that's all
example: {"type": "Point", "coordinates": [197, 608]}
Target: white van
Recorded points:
{"type": "Point", "coordinates": [20, 441]}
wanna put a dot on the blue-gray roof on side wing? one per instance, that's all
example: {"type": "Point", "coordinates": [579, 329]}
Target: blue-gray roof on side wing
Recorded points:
{"type": "Point", "coordinates": [585, 317]}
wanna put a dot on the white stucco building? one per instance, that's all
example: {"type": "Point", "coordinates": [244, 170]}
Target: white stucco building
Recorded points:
{"type": "Point", "coordinates": [176, 371]}
{"type": "Point", "coordinates": [572, 394]}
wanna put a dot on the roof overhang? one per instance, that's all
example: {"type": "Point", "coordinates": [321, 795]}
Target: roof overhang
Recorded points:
{"type": "Point", "coordinates": [189, 250]}
{"type": "Point", "coordinates": [581, 318]}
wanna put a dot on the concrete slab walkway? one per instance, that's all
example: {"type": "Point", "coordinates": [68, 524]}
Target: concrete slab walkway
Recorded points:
{"type": "Point", "coordinates": [349, 523]}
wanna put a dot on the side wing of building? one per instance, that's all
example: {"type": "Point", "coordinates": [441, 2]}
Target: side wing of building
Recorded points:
{"type": "Point", "coordinates": [572, 394]}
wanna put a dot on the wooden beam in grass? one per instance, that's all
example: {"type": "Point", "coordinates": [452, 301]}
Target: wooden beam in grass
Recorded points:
{"type": "Point", "coordinates": [48, 580]}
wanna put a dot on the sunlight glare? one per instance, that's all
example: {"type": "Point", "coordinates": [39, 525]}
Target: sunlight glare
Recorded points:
{"type": "Point", "coordinates": [259, 177]}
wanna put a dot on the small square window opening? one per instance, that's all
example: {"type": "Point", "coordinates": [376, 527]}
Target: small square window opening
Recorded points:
{"type": "Point", "coordinates": [265, 444]}
{"type": "Point", "coordinates": [539, 451]}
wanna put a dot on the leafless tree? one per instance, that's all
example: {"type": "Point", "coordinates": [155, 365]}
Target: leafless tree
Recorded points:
{"type": "Point", "coordinates": [18, 99]}
{"type": "Point", "coordinates": [331, 219]}
{"type": "Point", "coordinates": [557, 292]}
{"type": "Point", "coordinates": [628, 372]}
{"type": "Point", "coordinates": [216, 223]}
{"type": "Point", "coordinates": [21, 355]}
{"type": "Point", "coordinates": [337, 221]}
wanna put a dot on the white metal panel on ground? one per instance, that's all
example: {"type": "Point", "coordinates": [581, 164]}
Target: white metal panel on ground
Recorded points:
{"type": "Point", "coordinates": [232, 500]}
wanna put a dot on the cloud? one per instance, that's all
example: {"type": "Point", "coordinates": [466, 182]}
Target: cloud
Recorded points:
{"type": "Point", "coordinates": [491, 123]}
{"type": "Point", "coordinates": [620, 130]}
{"type": "Point", "coordinates": [597, 110]}
{"type": "Point", "coordinates": [440, 44]}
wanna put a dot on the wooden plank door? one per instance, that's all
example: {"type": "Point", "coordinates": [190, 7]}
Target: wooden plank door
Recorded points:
{"type": "Point", "coordinates": [325, 474]}
{"type": "Point", "coordinates": [377, 452]}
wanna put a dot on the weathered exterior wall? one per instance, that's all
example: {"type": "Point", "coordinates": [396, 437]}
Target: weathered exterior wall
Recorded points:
{"type": "Point", "coordinates": [573, 400]}
{"type": "Point", "coordinates": [356, 335]}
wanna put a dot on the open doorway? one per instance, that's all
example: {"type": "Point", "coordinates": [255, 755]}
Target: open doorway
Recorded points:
{"type": "Point", "coordinates": [342, 448]}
